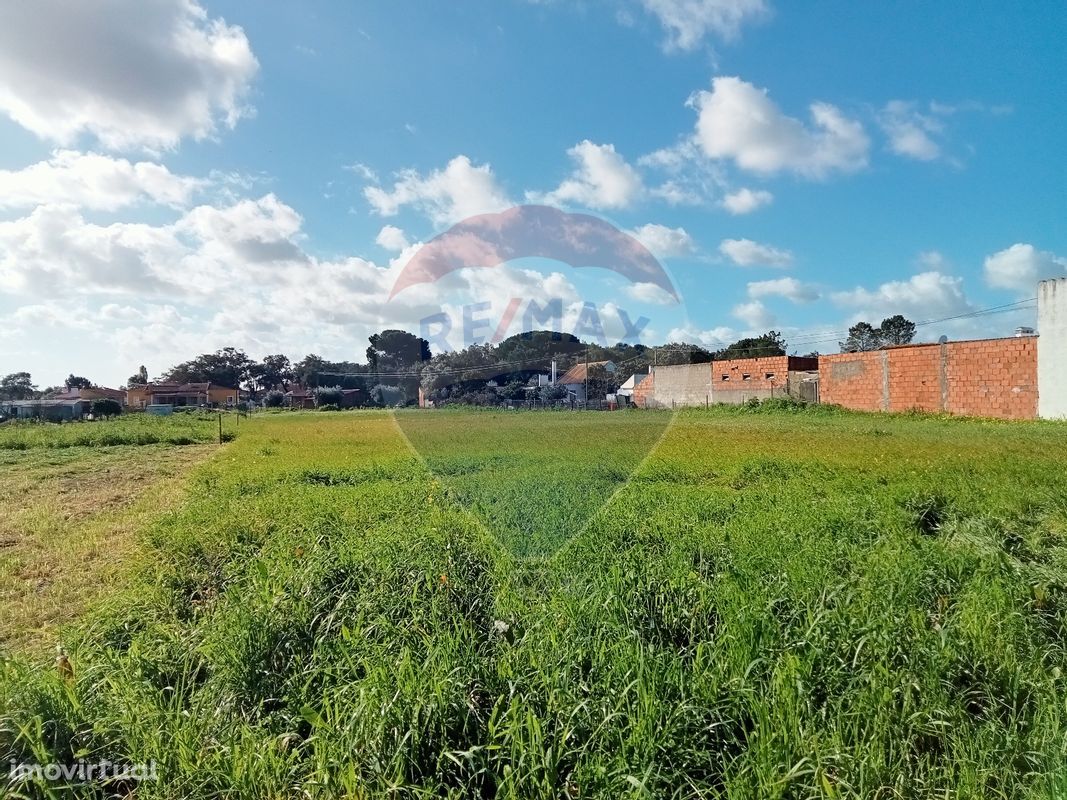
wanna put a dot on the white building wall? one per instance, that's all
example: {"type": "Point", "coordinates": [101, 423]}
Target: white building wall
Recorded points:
{"type": "Point", "coordinates": [1052, 349]}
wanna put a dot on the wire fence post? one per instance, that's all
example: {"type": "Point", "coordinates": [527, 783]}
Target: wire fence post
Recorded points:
{"type": "Point", "coordinates": [220, 427]}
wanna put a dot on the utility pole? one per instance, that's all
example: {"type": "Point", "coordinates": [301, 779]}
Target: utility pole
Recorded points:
{"type": "Point", "coordinates": [587, 376]}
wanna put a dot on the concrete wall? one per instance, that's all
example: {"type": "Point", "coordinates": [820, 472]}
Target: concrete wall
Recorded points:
{"type": "Point", "coordinates": [1052, 348]}
{"type": "Point", "coordinates": [677, 386]}
{"type": "Point", "coordinates": [987, 378]}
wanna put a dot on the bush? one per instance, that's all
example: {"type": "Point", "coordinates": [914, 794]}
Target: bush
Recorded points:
{"type": "Point", "coordinates": [106, 407]}
{"type": "Point", "coordinates": [274, 399]}
{"type": "Point", "coordinates": [329, 396]}
{"type": "Point", "coordinates": [387, 396]}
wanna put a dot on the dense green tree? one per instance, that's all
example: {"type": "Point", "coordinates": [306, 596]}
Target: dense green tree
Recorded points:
{"type": "Point", "coordinates": [394, 350]}
{"type": "Point", "coordinates": [17, 386]}
{"type": "Point", "coordinates": [863, 337]}
{"type": "Point", "coordinates": [226, 367]}
{"type": "Point", "coordinates": [600, 382]}
{"type": "Point", "coordinates": [771, 343]}
{"type": "Point", "coordinates": [275, 371]}
{"type": "Point", "coordinates": [140, 378]}
{"type": "Point", "coordinates": [77, 382]}
{"type": "Point", "coordinates": [396, 358]}
{"type": "Point", "coordinates": [896, 330]}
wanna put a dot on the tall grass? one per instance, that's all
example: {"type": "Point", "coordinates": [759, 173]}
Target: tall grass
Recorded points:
{"type": "Point", "coordinates": [132, 429]}
{"type": "Point", "coordinates": [773, 606]}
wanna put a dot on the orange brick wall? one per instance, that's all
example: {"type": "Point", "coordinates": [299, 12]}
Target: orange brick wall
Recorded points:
{"type": "Point", "coordinates": [915, 378]}
{"type": "Point", "coordinates": [993, 378]}
{"type": "Point", "coordinates": [852, 380]}
{"type": "Point", "coordinates": [643, 391]}
{"type": "Point", "coordinates": [987, 378]}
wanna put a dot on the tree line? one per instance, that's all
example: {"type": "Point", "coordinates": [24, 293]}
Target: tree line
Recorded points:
{"type": "Point", "coordinates": [398, 364]}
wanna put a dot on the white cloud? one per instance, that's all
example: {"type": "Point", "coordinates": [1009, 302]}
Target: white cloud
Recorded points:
{"type": "Point", "coordinates": [249, 232]}
{"type": "Point", "coordinates": [601, 179]}
{"type": "Point", "coordinates": [738, 121]}
{"type": "Point", "coordinates": [932, 259]}
{"type": "Point", "coordinates": [911, 133]}
{"type": "Point", "coordinates": [99, 182]}
{"type": "Point", "coordinates": [712, 338]}
{"type": "Point", "coordinates": [754, 314]}
{"type": "Point", "coordinates": [688, 22]}
{"type": "Point", "coordinates": [928, 295]}
{"type": "Point", "coordinates": [650, 293]}
{"type": "Point", "coordinates": [446, 196]}
{"type": "Point", "coordinates": [392, 238]}
{"type": "Point", "coordinates": [133, 74]}
{"type": "Point", "coordinates": [693, 178]}
{"type": "Point", "coordinates": [1021, 266]}
{"type": "Point", "coordinates": [747, 253]}
{"type": "Point", "coordinates": [745, 201]}
{"type": "Point", "coordinates": [230, 275]}
{"type": "Point", "coordinates": [675, 193]}
{"type": "Point", "coordinates": [665, 242]}
{"type": "Point", "coordinates": [789, 288]}
{"type": "Point", "coordinates": [363, 171]}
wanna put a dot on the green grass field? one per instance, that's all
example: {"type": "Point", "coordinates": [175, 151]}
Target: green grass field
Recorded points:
{"type": "Point", "coordinates": [132, 429]}
{"type": "Point", "coordinates": [772, 605]}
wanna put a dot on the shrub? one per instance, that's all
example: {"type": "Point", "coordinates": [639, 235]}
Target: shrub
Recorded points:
{"type": "Point", "coordinates": [329, 396]}
{"type": "Point", "coordinates": [106, 407]}
{"type": "Point", "coordinates": [274, 399]}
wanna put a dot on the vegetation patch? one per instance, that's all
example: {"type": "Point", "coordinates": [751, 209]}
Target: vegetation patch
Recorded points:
{"type": "Point", "coordinates": [133, 429]}
{"type": "Point", "coordinates": [793, 636]}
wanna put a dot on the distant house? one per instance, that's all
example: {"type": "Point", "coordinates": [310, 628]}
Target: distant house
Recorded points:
{"type": "Point", "coordinates": [51, 409]}
{"type": "Point", "coordinates": [573, 380]}
{"type": "Point", "coordinates": [302, 397]}
{"type": "Point", "coordinates": [299, 397]}
{"type": "Point", "coordinates": [627, 389]}
{"type": "Point", "coordinates": [181, 394]}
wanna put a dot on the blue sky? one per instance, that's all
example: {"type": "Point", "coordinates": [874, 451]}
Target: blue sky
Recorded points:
{"type": "Point", "coordinates": [176, 177]}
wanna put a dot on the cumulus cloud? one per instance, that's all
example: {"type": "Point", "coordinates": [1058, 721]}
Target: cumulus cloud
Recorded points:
{"type": "Point", "coordinates": [1021, 266]}
{"type": "Point", "coordinates": [132, 74]}
{"type": "Point", "coordinates": [745, 201]}
{"type": "Point", "coordinates": [601, 179]}
{"type": "Point", "coordinates": [446, 196]}
{"type": "Point", "coordinates": [747, 253]}
{"type": "Point", "coordinates": [712, 338]}
{"type": "Point", "coordinates": [665, 242]}
{"type": "Point", "coordinates": [789, 288]}
{"type": "Point", "coordinates": [911, 133]}
{"type": "Point", "coordinates": [754, 314]}
{"type": "Point", "coordinates": [928, 295]}
{"type": "Point", "coordinates": [94, 181]}
{"type": "Point", "coordinates": [689, 22]}
{"type": "Point", "coordinates": [235, 274]}
{"type": "Point", "coordinates": [738, 121]}
{"type": "Point", "coordinates": [392, 238]}
{"type": "Point", "coordinates": [650, 293]}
